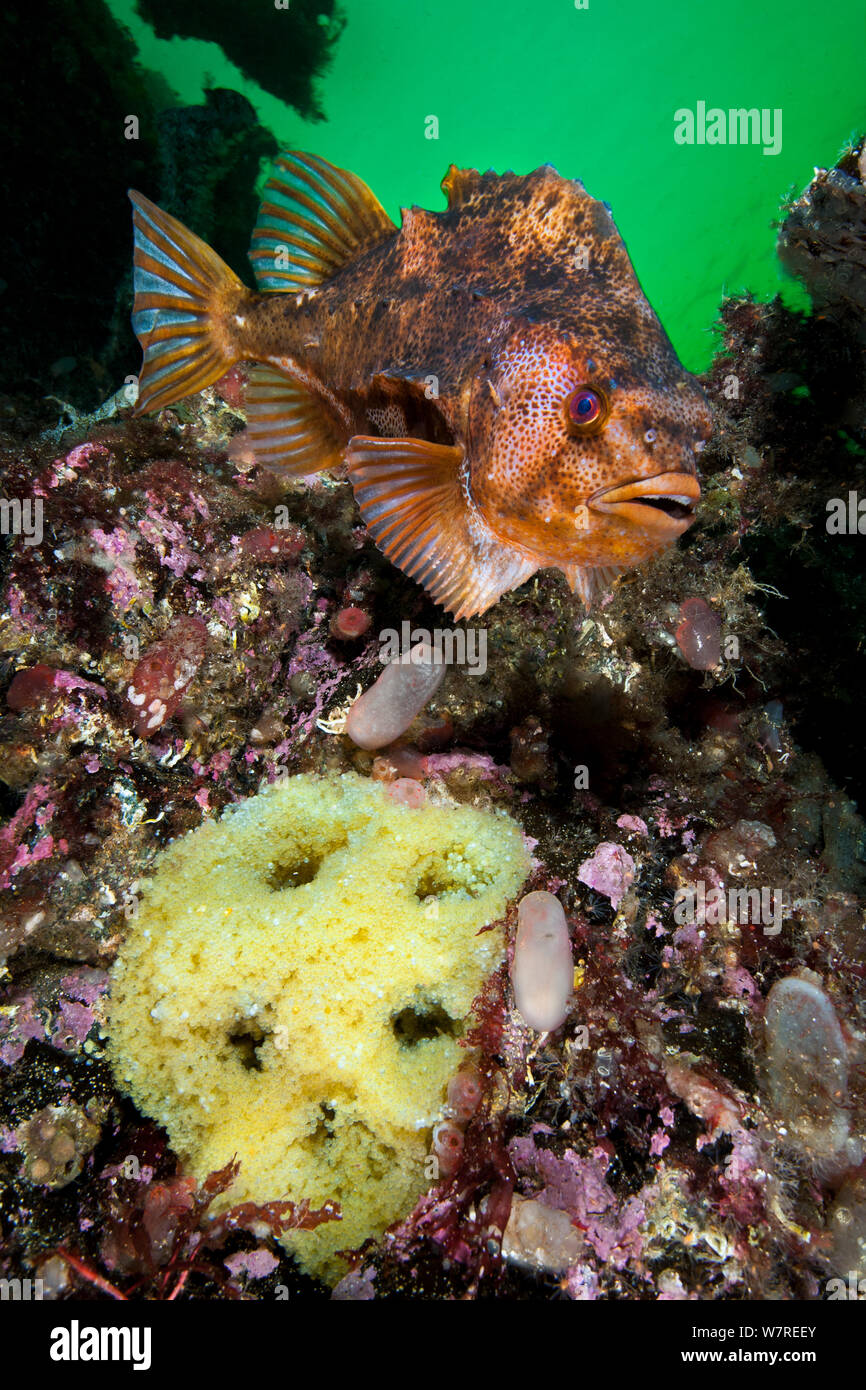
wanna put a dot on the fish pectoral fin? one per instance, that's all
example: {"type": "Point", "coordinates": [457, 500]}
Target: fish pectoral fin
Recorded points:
{"type": "Point", "coordinates": [412, 501]}
{"type": "Point", "coordinates": [589, 581]}
{"type": "Point", "coordinates": [312, 220]}
{"type": "Point", "coordinates": [289, 426]}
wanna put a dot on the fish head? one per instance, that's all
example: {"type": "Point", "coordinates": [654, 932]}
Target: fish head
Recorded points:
{"type": "Point", "coordinates": [583, 453]}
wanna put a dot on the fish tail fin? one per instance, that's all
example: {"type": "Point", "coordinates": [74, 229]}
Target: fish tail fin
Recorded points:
{"type": "Point", "coordinates": [186, 299]}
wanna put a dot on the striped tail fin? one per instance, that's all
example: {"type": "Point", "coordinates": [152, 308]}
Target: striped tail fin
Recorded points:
{"type": "Point", "coordinates": [185, 300]}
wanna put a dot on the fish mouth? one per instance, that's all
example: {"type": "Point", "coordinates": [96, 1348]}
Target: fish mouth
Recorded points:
{"type": "Point", "coordinates": [664, 504]}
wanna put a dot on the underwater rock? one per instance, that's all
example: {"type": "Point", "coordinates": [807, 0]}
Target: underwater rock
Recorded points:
{"type": "Point", "coordinates": [89, 71]}
{"type": "Point", "coordinates": [823, 237]}
{"type": "Point", "coordinates": [54, 1143]}
{"type": "Point", "coordinates": [283, 49]}
{"type": "Point", "coordinates": [210, 155]}
{"type": "Point", "coordinates": [577, 1187]}
{"type": "Point", "coordinates": [270, 547]}
{"type": "Point", "coordinates": [530, 753]}
{"type": "Point", "coordinates": [201, 160]}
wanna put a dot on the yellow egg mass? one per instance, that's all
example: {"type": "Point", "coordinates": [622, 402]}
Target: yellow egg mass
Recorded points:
{"type": "Point", "coordinates": [292, 989]}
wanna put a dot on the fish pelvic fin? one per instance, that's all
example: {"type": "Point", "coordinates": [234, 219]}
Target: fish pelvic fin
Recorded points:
{"type": "Point", "coordinates": [411, 498]}
{"type": "Point", "coordinates": [591, 581]}
{"type": "Point", "coordinates": [186, 300]}
{"type": "Point", "coordinates": [313, 219]}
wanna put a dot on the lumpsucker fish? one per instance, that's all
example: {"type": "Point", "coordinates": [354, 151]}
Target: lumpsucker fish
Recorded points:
{"type": "Point", "coordinates": [495, 382]}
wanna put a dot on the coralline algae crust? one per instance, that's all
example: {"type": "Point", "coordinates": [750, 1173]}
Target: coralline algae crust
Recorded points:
{"type": "Point", "coordinates": [292, 989]}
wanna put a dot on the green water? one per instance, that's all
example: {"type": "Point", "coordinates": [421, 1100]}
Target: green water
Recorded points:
{"type": "Point", "coordinates": [593, 92]}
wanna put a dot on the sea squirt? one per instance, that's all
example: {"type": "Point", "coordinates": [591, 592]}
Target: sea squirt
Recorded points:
{"type": "Point", "coordinates": [542, 973]}
{"type": "Point", "coordinates": [386, 710]}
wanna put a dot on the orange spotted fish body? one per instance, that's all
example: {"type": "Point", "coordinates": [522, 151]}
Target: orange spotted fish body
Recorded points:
{"type": "Point", "coordinates": [493, 377]}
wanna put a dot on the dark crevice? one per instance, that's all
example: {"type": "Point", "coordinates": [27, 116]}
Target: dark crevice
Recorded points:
{"type": "Point", "coordinates": [422, 1021]}
{"type": "Point", "coordinates": [246, 1040]}
{"type": "Point", "coordinates": [294, 874]}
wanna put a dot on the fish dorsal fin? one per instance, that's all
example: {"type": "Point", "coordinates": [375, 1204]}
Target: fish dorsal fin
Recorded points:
{"type": "Point", "coordinates": [289, 426]}
{"type": "Point", "coordinates": [590, 581]}
{"type": "Point", "coordinates": [313, 219]}
{"type": "Point", "coordinates": [412, 501]}
{"type": "Point", "coordinates": [458, 185]}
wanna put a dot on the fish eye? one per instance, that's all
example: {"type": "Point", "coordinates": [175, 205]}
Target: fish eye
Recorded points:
{"type": "Point", "coordinates": [586, 410]}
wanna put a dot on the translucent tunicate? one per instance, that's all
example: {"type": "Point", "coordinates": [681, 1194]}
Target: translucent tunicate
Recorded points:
{"type": "Point", "coordinates": [699, 635]}
{"type": "Point", "coordinates": [847, 1226]}
{"type": "Point", "coordinates": [386, 710]}
{"type": "Point", "coordinates": [807, 1065]}
{"type": "Point", "coordinates": [542, 972]}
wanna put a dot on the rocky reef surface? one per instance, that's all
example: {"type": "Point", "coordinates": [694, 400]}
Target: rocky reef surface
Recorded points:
{"type": "Point", "coordinates": [179, 626]}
